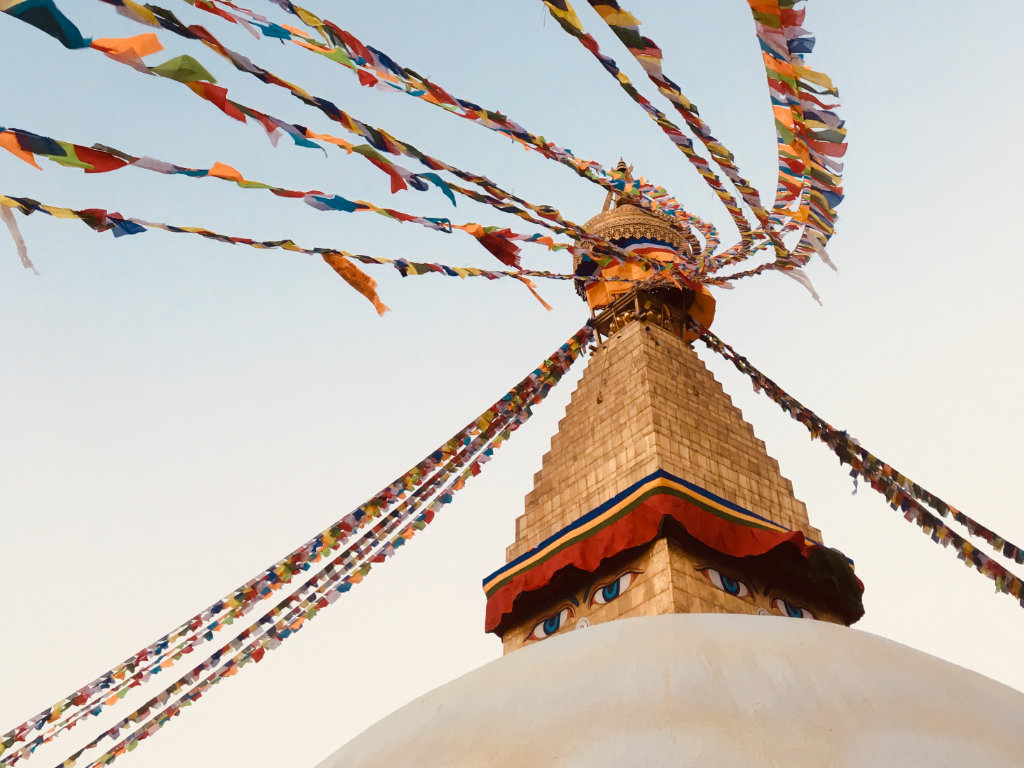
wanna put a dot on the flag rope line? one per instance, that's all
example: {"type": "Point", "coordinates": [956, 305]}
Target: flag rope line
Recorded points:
{"type": "Point", "coordinates": [100, 220]}
{"type": "Point", "coordinates": [535, 386]}
{"type": "Point", "coordinates": [648, 55]}
{"type": "Point", "coordinates": [902, 493]}
{"type": "Point", "coordinates": [380, 140]}
{"type": "Point", "coordinates": [374, 68]}
{"type": "Point", "coordinates": [563, 12]}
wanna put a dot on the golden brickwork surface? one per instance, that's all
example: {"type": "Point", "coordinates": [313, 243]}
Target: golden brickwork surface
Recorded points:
{"type": "Point", "coordinates": [647, 402]}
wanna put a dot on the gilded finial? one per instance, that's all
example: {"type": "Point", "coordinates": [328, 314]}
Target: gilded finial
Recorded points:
{"type": "Point", "coordinates": [616, 197]}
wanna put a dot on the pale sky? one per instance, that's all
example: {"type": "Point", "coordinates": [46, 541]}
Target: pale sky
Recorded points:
{"type": "Point", "coordinates": [177, 413]}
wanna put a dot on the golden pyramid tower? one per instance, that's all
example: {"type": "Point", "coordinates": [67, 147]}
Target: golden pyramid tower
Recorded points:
{"type": "Point", "coordinates": [656, 496]}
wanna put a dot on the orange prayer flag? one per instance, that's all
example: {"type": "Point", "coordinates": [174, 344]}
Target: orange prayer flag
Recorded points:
{"type": "Point", "coordinates": [533, 289]}
{"type": "Point", "coordinates": [315, 48]}
{"type": "Point", "coordinates": [134, 47]}
{"type": "Point", "coordinates": [10, 142]}
{"type": "Point", "coordinates": [222, 171]}
{"type": "Point", "coordinates": [472, 228]}
{"type": "Point", "coordinates": [770, 7]}
{"type": "Point", "coordinates": [358, 279]}
{"type": "Point", "coordinates": [331, 139]}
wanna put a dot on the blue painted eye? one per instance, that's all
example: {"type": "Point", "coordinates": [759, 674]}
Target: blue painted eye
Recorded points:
{"type": "Point", "coordinates": [611, 591]}
{"type": "Point", "coordinates": [551, 625]}
{"type": "Point", "coordinates": [729, 585]}
{"type": "Point", "coordinates": [788, 609]}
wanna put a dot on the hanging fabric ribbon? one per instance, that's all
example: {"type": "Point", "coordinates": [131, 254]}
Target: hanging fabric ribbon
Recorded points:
{"type": "Point", "coordinates": [902, 493]}
{"type": "Point", "coordinates": [810, 135]}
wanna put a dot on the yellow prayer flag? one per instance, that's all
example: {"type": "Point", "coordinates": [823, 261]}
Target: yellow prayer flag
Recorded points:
{"type": "Point", "coordinates": [808, 74]}
{"type": "Point", "coordinates": [145, 14]}
{"type": "Point", "coordinates": [617, 16]}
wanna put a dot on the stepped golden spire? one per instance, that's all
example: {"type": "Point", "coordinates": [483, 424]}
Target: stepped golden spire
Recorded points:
{"type": "Point", "coordinates": [656, 497]}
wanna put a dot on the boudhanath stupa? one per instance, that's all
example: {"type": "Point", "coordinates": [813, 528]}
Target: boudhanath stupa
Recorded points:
{"type": "Point", "coordinates": [717, 619]}
{"type": "Point", "coordinates": [720, 623]}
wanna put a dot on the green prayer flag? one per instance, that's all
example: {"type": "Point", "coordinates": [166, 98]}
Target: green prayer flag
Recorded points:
{"type": "Point", "coordinates": [184, 69]}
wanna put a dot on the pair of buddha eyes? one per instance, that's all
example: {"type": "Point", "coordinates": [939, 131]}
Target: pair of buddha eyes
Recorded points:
{"type": "Point", "coordinates": [737, 588]}
{"type": "Point", "coordinates": [600, 596]}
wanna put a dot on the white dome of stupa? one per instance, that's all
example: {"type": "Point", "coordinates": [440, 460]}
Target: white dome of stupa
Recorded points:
{"type": "Point", "coordinates": [704, 690]}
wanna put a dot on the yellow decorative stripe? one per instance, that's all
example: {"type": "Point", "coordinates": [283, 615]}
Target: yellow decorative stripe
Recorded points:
{"type": "Point", "coordinates": [662, 481]}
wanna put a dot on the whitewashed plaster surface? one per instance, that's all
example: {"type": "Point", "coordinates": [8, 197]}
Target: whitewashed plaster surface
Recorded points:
{"type": "Point", "coordinates": [704, 689]}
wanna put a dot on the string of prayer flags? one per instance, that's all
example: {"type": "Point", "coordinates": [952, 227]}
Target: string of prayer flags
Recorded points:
{"type": "Point", "coordinates": [376, 546]}
{"type": "Point", "coordinates": [384, 141]}
{"type": "Point", "coordinates": [188, 71]}
{"type": "Point", "coordinates": [731, 255]}
{"type": "Point", "coordinates": [821, 190]}
{"type": "Point", "coordinates": [563, 12]}
{"type": "Point", "coordinates": [647, 53]}
{"type": "Point", "coordinates": [592, 248]}
{"type": "Point", "coordinates": [100, 220]}
{"type": "Point", "coordinates": [101, 159]}
{"type": "Point", "coordinates": [467, 454]}
{"type": "Point", "coordinates": [347, 568]}
{"type": "Point", "coordinates": [810, 135]}
{"type": "Point", "coordinates": [375, 68]}
{"type": "Point", "coordinates": [201, 627]}
{"type": "Point", "coordinates": [902, 493]}
{"type": "Point", "coordinates": [191, 72]}
{"type": "Point", "coordinates": [820, 186]}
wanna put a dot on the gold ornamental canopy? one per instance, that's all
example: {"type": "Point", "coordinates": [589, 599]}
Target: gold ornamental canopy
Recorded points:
{"type": "Point", "coordinates": [651, 236]}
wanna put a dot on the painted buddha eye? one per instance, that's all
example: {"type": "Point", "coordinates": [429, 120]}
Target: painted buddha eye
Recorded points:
{"type": "Point", "coordinates": [614, 589]}
{"type": "Point", "coordinates": [550, 625]}
{"type": "Point", "coordinates": [730, 586]}
{"type": "Point", "coordinates": [788, 609]}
